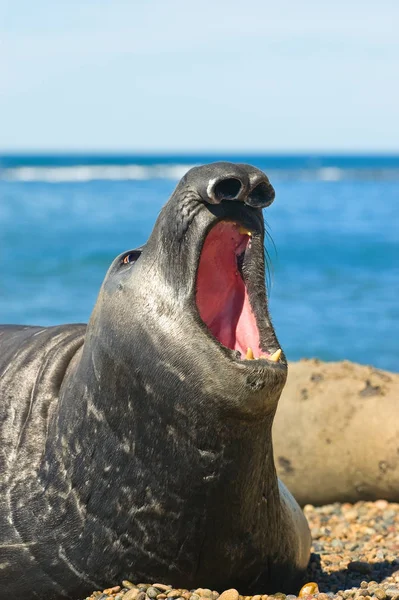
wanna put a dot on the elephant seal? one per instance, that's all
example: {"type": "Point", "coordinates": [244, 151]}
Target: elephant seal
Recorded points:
{"type": "Point", "coordinates": [336, 433]}
{"type": "Point", "coordinates": [141, 445]}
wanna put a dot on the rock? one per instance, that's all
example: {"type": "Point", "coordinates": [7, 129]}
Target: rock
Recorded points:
{"type": "Point", "coordinates": [392, 591]}
{"type": "Point", "coordinates": [231, 594]}
{"type": "Point", "coordinates": [132, 594]}
{"type": "Point", "coordinates": [308, 589]}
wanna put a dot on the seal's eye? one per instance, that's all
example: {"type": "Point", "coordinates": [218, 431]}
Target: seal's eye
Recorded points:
{"type": "Point", "coordinates": [131, 257]}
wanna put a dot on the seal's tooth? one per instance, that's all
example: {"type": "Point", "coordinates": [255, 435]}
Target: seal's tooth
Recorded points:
{"type": "Point", "coordinates": [244, 231]}
{"type": "Point", "coordinates": [276, 356]}
{"type": "Point", "coordinates": [249, 355]}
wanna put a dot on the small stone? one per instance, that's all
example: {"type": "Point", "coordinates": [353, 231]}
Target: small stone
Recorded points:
{"type": "Point", "coordinates": [112, 590]}
{"type": "Point", "coordinates": [258, 597]}
{"type": "Point", "coordinates": [152, 592]}
{"type": "Point", "coordinates": [337, 544]}
{"type": "Point", "coordinates": [308, 589]}
{"type": "Point", "coordinates": [318, 547]}
{"type": "Point", "coordinates": [132, 594]}
{"type": "Point", "coordinates": [173, 594]}
{"type": "Point", "coordinates": [392, 591]}
{"type": "Point", "coordinates": [231, 594]}
{"type": "Point", "coordinates": [162, 587]}
{"type": "Point", "coordinates": [128, 584]}
{"type": "Point", "coordinates": [194, 597]}
{"type": "Point", "coordinates": [389, 514]}
{"type": "Point", "coordinates": [380, 593]}
{"type": "Point", "coordinates": [288, 597]}
{"type": "Point", "coordinates": [143, 586]}
{"type": "Point", "coordinates": [351, 515]}
{"type": "Point", "coordinates": [353, 546]}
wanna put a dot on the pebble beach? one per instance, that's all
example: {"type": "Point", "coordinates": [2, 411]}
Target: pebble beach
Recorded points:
{"type": "Point", "coordinates": [355, 554]}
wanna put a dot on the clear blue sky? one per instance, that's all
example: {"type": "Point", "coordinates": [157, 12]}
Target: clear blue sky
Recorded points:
{"type": "Point", "coordinates": [170, 75]}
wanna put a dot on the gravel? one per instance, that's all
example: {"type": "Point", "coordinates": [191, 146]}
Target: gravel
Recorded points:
{"type": "Point", "coordinates": [355, 554]}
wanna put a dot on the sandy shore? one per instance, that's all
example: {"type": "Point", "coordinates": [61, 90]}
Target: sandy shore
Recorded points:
{"type": "Point", "coordinates": [355, 554]}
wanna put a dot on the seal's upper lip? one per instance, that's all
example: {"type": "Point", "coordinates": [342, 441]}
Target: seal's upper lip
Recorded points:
{"type": "Point", "coordinates": [222, 296]}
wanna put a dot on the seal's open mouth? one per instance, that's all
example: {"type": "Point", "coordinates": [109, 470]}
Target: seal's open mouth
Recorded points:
{"type": "Point", "coordinates": [221, 292]}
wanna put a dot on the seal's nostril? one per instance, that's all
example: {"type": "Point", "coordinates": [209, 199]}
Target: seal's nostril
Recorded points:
{"type": "Point", "coordinates": [227, 189]}
{"type": "Point", "coordinates": [261, 195]}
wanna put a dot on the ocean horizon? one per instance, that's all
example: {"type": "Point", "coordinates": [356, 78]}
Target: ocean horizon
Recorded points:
{"type": "Point", "coordinates": [333, 240]}
{"type": "Point", "coordinates": [86, 166]}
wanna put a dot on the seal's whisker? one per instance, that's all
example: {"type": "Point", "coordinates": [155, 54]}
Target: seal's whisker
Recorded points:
{"type": "Point", "coordinates": [268, 261]}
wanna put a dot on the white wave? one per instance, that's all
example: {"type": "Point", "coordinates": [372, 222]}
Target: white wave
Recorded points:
{"type": "Point", "coordinates": [84, 173]}
{"type": "Point", "coordinates": [330, 174]}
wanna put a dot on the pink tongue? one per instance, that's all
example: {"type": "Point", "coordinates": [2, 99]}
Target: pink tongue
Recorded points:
{"type": "Point", "coordinates": [222, 298]}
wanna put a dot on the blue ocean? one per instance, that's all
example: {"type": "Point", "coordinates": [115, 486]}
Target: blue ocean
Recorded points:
{"type": "Point", "coordinates": [333, 242]}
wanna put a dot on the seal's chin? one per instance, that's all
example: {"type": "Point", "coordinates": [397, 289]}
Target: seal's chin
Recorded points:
{"type": "Point", "coordinates": [221, 292]}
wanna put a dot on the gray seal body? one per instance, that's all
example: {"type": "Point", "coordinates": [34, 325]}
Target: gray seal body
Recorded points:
{"type": "Point", "coordinates": [140, 447]}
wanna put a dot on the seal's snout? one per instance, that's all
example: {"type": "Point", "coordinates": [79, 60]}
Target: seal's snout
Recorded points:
{"type": "Point", "coordinates": [223, 181]}
{"type": "Point", "coordinates": [226, 189]}
{"type": "Point", "coordinates": [261, 192]}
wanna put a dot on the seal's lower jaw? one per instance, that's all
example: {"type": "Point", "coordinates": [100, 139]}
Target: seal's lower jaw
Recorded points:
{"type": "Point", "coordinates": [222, 296]}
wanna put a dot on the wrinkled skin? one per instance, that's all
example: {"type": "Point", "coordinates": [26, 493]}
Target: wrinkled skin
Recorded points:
{"type": "Point", "coordinates": [141, 447]}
